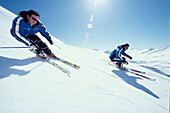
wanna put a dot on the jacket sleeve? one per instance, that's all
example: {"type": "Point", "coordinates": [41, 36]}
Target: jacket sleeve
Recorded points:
{"type": "Point", "coordinates": [18, 30]}
{"type": "Point", "coordinates": [125, 54]}
{"type": "Point", "coordinates": [44, 32]}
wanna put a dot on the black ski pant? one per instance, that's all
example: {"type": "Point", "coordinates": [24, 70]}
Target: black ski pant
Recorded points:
{"type": "Point", "coordinates": [118, 62]}
{"type": "Point", "coordinates": [39, 44]}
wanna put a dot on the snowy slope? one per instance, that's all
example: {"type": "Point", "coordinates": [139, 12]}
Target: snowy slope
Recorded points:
{"type": "Point", "coordinates": [30, 85]}
{"type": "Point", "coordinates": [157, 60]}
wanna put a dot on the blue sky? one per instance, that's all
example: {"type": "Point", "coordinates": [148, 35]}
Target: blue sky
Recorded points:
{"type": "Point", "coordinates": [141, 23]}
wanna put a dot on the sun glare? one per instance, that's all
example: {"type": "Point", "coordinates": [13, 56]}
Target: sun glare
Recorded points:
{"type": "Point", "coordinates": [96, 2]}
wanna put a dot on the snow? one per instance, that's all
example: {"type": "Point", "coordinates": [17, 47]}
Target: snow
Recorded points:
{"type": "Point", "coordinates": [28, 84]}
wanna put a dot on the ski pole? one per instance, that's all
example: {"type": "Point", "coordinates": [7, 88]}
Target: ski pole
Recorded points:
{"type": "Point", "coordinates": [12, 47]}
{"type": "Point", "coordinates": [57, 46]}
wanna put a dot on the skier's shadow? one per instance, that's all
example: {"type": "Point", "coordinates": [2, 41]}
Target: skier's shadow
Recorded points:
{"type": "Point", "coordinates": [6, 64]}
{"type": "Point", "coordinates": [131, 80]}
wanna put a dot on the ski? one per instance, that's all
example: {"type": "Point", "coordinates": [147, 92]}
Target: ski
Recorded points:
{"type": "Point", "coordinates": [67, 63]}
{"type": "Point", "coordinates": [53, 63]}
{"type": "Point", "coordinates": [142, 76]}
{"type": "Point", "coordinates": [142, 72]}
{"type": "Point", "coordinates": [133, 71]}
{"type": "Point", "coordinates": [57, 66]}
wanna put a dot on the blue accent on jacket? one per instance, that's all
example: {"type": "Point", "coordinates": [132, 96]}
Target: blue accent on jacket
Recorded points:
{"type": "Point", "coordinates": [116, 53]}
{"type": "Point", "coordinates": [25, 28]}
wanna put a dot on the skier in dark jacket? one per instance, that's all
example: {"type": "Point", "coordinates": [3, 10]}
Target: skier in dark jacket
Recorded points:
{"type": "Point", "coordinates": [24, 29]}
{"type": "Point", "coordinates": [115, 56]}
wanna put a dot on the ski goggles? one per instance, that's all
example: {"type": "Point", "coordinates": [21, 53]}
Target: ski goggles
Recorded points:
{"type": "Point", "coordinates": [34, 19]}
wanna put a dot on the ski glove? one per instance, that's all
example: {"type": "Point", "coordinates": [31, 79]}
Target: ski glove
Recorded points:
{"type": "Point", "coordinates": [124, 61]}
{"type": "Point", "coordinates": [130, 57]}
{"type": "Point", "coordinates": [50, 41]}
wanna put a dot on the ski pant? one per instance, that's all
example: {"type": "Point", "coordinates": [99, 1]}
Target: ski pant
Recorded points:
{"type": "Point", "coordinates": [119, 62]}
{"type": "Point", "coordinates": [39, 44]}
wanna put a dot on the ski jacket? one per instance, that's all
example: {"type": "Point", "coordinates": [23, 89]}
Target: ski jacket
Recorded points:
{"type": "Point", "coordinates": [116, 53]}
{"type": "Point", "coordinates": [21, 28]}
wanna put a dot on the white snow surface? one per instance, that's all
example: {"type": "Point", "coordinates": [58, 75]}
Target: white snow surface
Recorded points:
{"type": "Point", "coordinates": [28, 84]}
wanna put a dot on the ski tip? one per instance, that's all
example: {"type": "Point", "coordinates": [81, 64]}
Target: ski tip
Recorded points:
{"type": "Point", "coordinates": [75, 66]}
{"type": "Point", "coordinates": [153, 79]}
{"type": "Point", "coordinates": [68, 73]}
{"type": "Point", "coordinates": [78, 67]}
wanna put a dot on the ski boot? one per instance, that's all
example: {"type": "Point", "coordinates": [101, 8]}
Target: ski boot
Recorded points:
{"type": "Point", "coordinates": [52, 55]}
{"type": "Point", "coordinates": [42, 55]}
{"type": "Point", "coordinates": [120, 66]}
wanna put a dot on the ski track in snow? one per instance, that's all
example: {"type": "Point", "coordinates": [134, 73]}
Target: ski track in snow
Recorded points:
{"type": "Point", "coordinates": [28, 84]}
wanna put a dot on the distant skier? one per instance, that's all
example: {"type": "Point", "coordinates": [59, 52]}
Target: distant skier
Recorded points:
{"type": "Point", "coordinates": [115, 56]}
{"type": "Point", "coordinates": [24, 29]}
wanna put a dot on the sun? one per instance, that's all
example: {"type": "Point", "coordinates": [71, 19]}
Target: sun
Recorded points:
{"type": "Point", "coordinates": [96, 2]}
